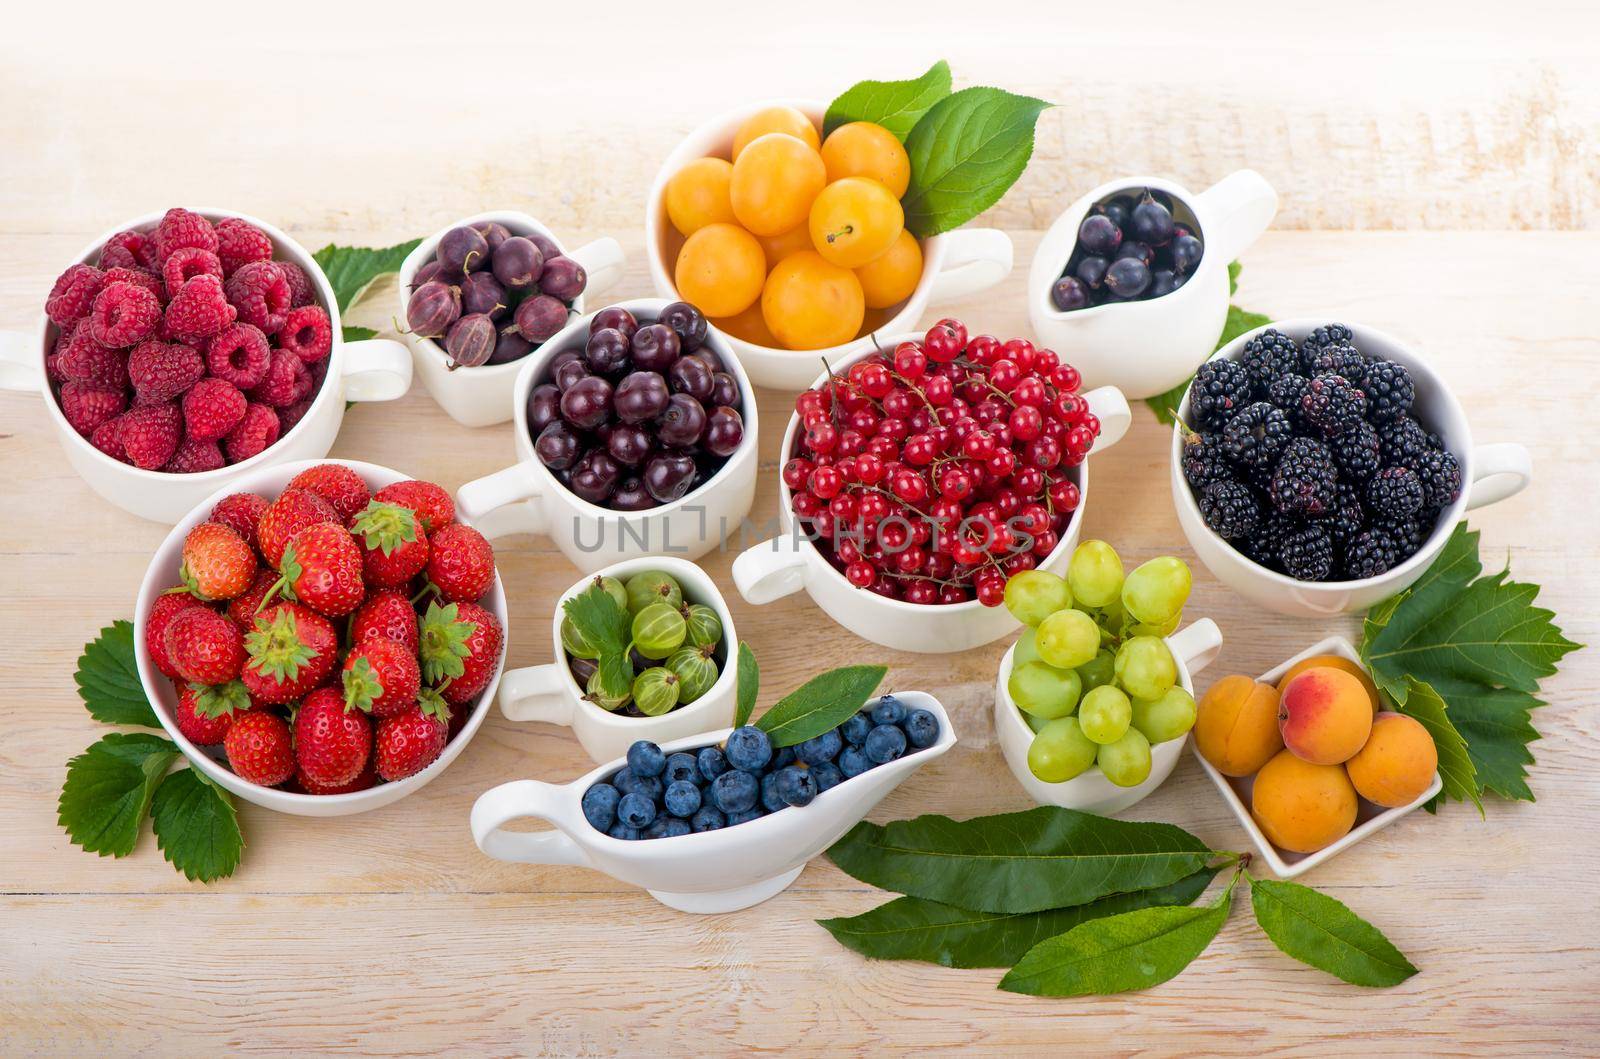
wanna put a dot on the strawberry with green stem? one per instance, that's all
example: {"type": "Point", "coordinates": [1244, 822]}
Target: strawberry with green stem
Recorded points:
{"type": "Point", "coordinates": [332, 740]}
{"type": "Point", "coordinates": [217, 563]}
{"type": "Point", "coordinates": [394, 546]}
{"type": "Point", "coordinates": [321, 568]}
{"type": "Point", "coordinates": [203, 646]}
{"type": "Point", "coordinates": [381, 677]}
{"type": "Point", "coordinates": [291, 650]}
{"type": "Point", "coordinates": [460, 649]}
{"type": "Point", "coordinates": [410, 742]}
{"type": "Point", "coordinates": [205, 712]}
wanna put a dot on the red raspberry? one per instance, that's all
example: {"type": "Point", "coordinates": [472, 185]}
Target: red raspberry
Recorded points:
{"type": "Point", "coordinates": [87, 361]}
{"type": "Point", "coordinates": [107, 437]}
{"type": "Point", "coordinates": [123, 314]}
{"type": "Point", "coordinates": [431, 503]}
{"type": "Point", "coordinates": [88, 408]}
{"type": "Point", "coordinates": [239, 243]}
{"type": "Point", "coordinates": [285, 377]}
{"type": "Point", "coordinates": [254, 434]}
{"type": "Point", "coordinates": [182, 228]}
{"type": "Point", "coordinates": [128, 249]}
{"type": "Point", "coordinates": [344, 489]}
{"type": "Point", "coordinates": [211, 409]}
{"type": "Point", "coordinates": [307, 333]}
{"type": "Point", "coordinates": [239, 355]}
{"type": "Point", "coordinates": [139, 277]}
{"type": "Point", "coordinates": [288, 417]}
{"type": "Point", "coordinates": [300, 289]}
{"type": "Point", "coordinates": [240, 512]}
{"type": "Point", "coordinates": [260, 292]}
{"type": "Point", "coordinates": [150, 434]}
{"type": "Point", "coordinates": [163, 371]}
{"type": "Point", "coordinates": [185, 264]}
{"type": "Point", "coordinates": [72, 296]}
{"type": "Point", "coordinates": [194, 456]}
{"type": "Point", "coordinates": [199, 310]}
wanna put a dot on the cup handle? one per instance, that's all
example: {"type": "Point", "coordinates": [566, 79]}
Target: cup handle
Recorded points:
{"type": "Point", "coordinates": [1240, 206]}
{"type": "Point", "coordinates": [536, 693]}
{"type": "Point", "coordinates": [770, 570]}
{"type": "Point", "coordinates": [1111, 408]}
{"type": "Point", "coordinates": [376, 369]}
{"type": "Point", "coordinates": [511, 495]}
{"type": "Point", "coordinates": [512, 801]}
{"type": "Point", "coordinates": [603, 262]}
{"type": "Point", "coordinates": [20, 367]}
{"type": "Point", "coordinates": [975, 259]}
{"type": "Point", "coordinates": [1498, 471]}
{"type": "Point", "coordinates": [1198, 645]}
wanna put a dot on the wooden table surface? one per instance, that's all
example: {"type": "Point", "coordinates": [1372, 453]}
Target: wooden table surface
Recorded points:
{"type": "Point", "coordinates": [1439, 184]}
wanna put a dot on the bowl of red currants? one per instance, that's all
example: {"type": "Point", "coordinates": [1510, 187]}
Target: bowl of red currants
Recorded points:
{"type": "Point", "coordinates": [920, 475]}
{"type": "Point", "coordinates": [635, 435]}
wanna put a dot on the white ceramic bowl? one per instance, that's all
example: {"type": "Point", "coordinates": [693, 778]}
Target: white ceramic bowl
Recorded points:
{"type": "Point", "coordinates": [373, 370]}
{"type": "Point", "coordinates": [1489, 473]}
{"type": "Point", "coordinates": [1192, 648]}
{"type": "Point", "coordinates": [712, 871]}
{"type": "Point", "coordinates": [163, 574]}
{"type": "Point", "coordinates": [1370, 818]}
{"type": "Point", "coordinates": [1147, 347]}
{"type": "Point", "coordinates": [482, 396]}
{"type": "Point", "coordinates": [790, 561]}
{"type": "Point", "coordinates": [549, 693]}
{"type": "Point", "coordinates": [527, 498]}
{"type": "Point", "coordinates": [954, 265]}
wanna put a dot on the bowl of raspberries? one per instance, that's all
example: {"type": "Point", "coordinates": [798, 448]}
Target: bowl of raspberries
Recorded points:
{"type": "Point", "coordinates": [322, 638]}
{"type": "Point", "coordinates": [1318, 468]}
{"type": "Point", "coordinates": [187, 348]}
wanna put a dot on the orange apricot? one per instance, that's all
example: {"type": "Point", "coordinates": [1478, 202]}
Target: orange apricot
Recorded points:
{"type": "Point", "coordinates": [749, 325]}
{"type": "Point", "coordinates": [697, 195]}
{"type": "Point", "coordinates": [775, 180]}
{"type": "Point", "coordinates": [1336, 662]}
{"type": "Point", "coordinates": [1324, 715]}
{"type": "Point", "coordinates": [1398, 762]}
{"type": "Point", "coordinates": [891, 277]}
{"type": "Point", "coordinates": [1301, 806]}
{"type": "Point", "coordinates": [786, 120]}
{"type": "Point", "coordinates": [811, 304]}
{"type": "Point", "coordinates": [778, 247]}
{"type": "Point", "coordinates": [1236, 725]}
{"type": "Point", "coordinates": [864, 149]}
{"type": "Point", "coordinates": [721, 269]}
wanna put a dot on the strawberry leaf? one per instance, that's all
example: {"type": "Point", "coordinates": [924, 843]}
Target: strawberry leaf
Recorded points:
{"type": "Point", "coordinates": [197, 826]}
{"type": "Point", "coordinates": [108, 679]}
{"type": "Point", "coordinates": [276, 649]}
{"type": "Point", "coordinates": [352, 333]}
{"type": "Point", "coordinates": [108, 790]}
{"type": "Point", "coordinates": [361, 685]}
{"type": "Point", "coordinates": [214, 700]}
{"type": "Point", "coordinates": [385, 526]}
{"type": "Point", "coordinates": [444, 642]}
{"type": "Point", "coordinates": [432, 704]}
{"type": "Point", "coordinates": [289, 571]}
{"type": "Point", "coordinates": [352, 269]}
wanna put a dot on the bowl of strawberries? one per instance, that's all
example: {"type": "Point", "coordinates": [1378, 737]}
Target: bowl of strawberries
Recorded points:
{"type": "Point", "coordinates": [322, 638]}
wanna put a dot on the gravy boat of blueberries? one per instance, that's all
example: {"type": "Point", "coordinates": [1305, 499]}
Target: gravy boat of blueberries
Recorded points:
{"type": "Point", "coordinates": [723, 870]}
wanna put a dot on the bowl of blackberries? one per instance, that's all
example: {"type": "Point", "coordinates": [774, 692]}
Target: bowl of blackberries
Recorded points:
{"type": "Point", "coordinates": [1319, 467]}
{"type": "Point", "coordinates": [479, 296]}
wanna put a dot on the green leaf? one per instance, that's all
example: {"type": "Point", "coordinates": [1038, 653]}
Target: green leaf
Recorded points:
{"type": "Point", "coordinates": [1019, 862]}
{"type": "Point", "coordinates": [909, 928]}
{"type": "Point", "coordinates": [825, 701]}
{"type": "Point", "coordinates": [598, 618]}
{"type": "Point", "coordinates": [749, 682]}
{"type": "Point", "coordinates": [352, 269]}
{"type": "Point", "coordinates": [1234, 268]}
{"type": "Point", "coordinates": [1496, 725]}
{"type": "Point", "coordinates": [108, 790]}
{"type": "Point", "coordinates": [896, 105]}
{"type": "Point", "coordinates": [352, 333]}
{"type": "Point", "coordinates": [214, 700]}
{"type": "Point", "coordinates": [1134, 950]}
{"type": "Point", "coordinates": [1456, 769]}
{"type": "Point", "coordinates": [108, 679]}
{"type": "Point", "coordinates": [966, 152]}
{"type": "Point", "coordinates": [1165, 405]}
{"type": "Point", "coordinates": [196, 826]}
{"type": "Point", "coordinates": [1321, 931]}
{"type": "Point", "coordinates": [443, 646]}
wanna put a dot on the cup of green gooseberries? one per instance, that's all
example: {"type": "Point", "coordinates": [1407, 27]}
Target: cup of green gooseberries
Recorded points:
{"type": "Point", "coordinates": [1094, 701]}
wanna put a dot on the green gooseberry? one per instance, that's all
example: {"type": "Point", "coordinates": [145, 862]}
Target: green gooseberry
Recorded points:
{"type": "Point", "coordinates": [705, 628]}
{"type": "Point", "coordinates": [613, 588]}
{"type": "Point", "coordinates": [652, 586]}
{"type": "Point", "coordinates": [655, 691]}
{"type": "Point", "coordinates": [576, 644]}
{"type": "Point", "coordinates": [608, 699]}
{"type": "Point", "coordinates": [658, 630]}
{"type": "Point", "coordinates": [696, 671]}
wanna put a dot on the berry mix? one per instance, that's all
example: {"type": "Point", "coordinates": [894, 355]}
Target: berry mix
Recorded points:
{"type": "Point", "coordinates": [1128, 250]}
{"type": "Point", "coordinates": [491, 297]}
{"type": "Point", "coordinates": [933, 472]}
{"type": "Point", "coordinates": [298, 639]}
{"type": "Point", "coordinates": [187, 347]}
{"type": "Point", "coordinates": [745, 777]}
{"type": "Point", "coordinates": [1307, 459]}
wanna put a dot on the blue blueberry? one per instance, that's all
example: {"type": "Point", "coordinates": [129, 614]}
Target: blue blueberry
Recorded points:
{"type": "Point", "coordinates": [636, 810]}
{"type": "Point", "coordinates": [856, 728]}
{"type": "Point", "coordinates": [646, 759]}
{"type": "Point", "coordinates": [922, 728]}
{"type": "Point", "coordinates": [682, 798]}
{"type": "Point", "coordinates": [600, 806]}
{"type": "Point", "coordinates": [657, 829]}
{"type": "Point", "coordinates": [885, 743]}
{"type": "Point", "coordinates": [674, 827]}
{"type": "Point", "coordinates": [818, 749]}
{"type": "Point", "coordinates": [735, 791]}
{"type": "Point", "coordinates": [771, 800]}
{"type": "Point", "coordinates": [826, 775]}
{"type": "Point", "coordinates": [782, 758]}
{"type": "Point", "coordinates": [854, 761]}
{"type": "Point", "coordinates": [795, 785]}
{"type": "Point", "coordinates": [748, 748]}
{"type": "Point", "coordinates": [745, 817]}
{"type": "Point", "coordinates": [708, 819]}
{"type": "Point", "coordinates": [629, 782]}
{"type": "Point", "coordinates": [624, 832]}
{"type": "Point", "coordinates": [889, 710]}
{"type": "Point", "coordinates": [712, 761]}
{"type": "Point", "coordinates": [681, 766]}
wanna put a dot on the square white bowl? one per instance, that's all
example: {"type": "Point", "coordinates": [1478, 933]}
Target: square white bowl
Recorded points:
{"type": "Point", "coordinates": [1370, 818]}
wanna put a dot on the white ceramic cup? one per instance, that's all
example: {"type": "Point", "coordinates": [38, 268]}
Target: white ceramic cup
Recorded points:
{"type": "Point", "coordinates": [527, 498]}
{"type": "Point", "coordinates": [1489, 474]}
{"type": "Point", "coordinates": [954, 265]}
{"type": "Point", "coordinates": [549, 693]}
{"type": "Point", "coordinates": [1146, 348]}
{"type": "Point", "coordinates": [1193, 648]}
{"type": "Point", "coordinates": [711, 871]}
{"type": "Point", "coordinates": [790, 562]}
{"type": "Point", "coordinates": [482, 396]}
{"type": "Point", "coordinates": [373, 370]}
{"type": "Point", "coordinates": [162, 574]}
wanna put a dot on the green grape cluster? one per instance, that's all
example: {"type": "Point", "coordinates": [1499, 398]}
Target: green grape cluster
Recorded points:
{"type": "Point", "coordinates": [1092, 673]}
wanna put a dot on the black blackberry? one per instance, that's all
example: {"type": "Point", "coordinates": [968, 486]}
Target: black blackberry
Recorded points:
{"type": "Point", "coordinates": [1219, 390]}
{"type": "Point", "coordinates": [1407, 534]}
{"type": "Point", "coordinates": [1305, 482]}
{"type": "Point", "coordinates": [1261, 547]}
{"type": "Point", "coordinates": [1348, 517]}
{"type": "Point", "coordinates": [1307, 553]}
{"type": "Point", "coordinates": [1403, 442]}
{"type": "Point", "coordinates": [1441, 477]}
{"type": "Point", "coordinates": [1255, 437]}
{"type": "Point", "coordinates": [1337, 360]}
{"type": "Point", "coordinates": [1270, 355]}
{"type": "Point", "coordinates": [1369, 554]}
{"type": "Point", "coordinates": [1230, 509]}
{"type": "Point", "coordinates": [1389, 390]}
{"type": "Point", "coordinates": [1326, 335]}
{"type": "Point", "coordinates": [1203, 460]}
{"type": "Point", "coordinates": [1285, 393]}
{"type": "Point", "coordinates": [1395, 493]}
{"type": "Point", "coordinates": [1332, 405]}
{"type": "Point", "coordinates": [1356, 452]}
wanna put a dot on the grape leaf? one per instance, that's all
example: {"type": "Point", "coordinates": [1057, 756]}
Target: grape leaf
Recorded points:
{"type": "Point", "coordinates": [108, 679]}
{"type": "Point", "coordinates": [909, 928]}
{"type": "Point", "coordinates": [1321, 931]}
{"type": "Point", "coordinates": [1456, 769]}
{"type": "Point", "coordinates": [352, 333]}
{"type": "Point", "coordinates": [1165, 405]}
{"type": "Point", "coordinates": [197, 826]}
{"type": "Point", "coordinates": [1497, 727]}
{"type": "Point", "coordinates": [352, 269]}
{"type": "Point", "coordinates": [896, 105]}
{"type": "Point", "coordinates": [966, 152]}
{"type": "Point", "coordinates": [825, 701]}
{"type": "Point", "coordinates": [108, 790]}
{"type": "Point", "coordinates": [749, 682]}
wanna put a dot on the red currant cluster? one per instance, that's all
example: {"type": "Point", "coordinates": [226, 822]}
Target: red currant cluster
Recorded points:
{"type": "Point", "coordinates": [933, 473]}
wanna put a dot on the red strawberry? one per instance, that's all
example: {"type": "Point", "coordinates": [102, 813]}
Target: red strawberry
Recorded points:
{"type": "Point", "coordinates": [368, 777]}
{"type": "Point", "coordinates": [331, 741]}
{"type": "Point", "coordinates": [204, 647]}
{"type": "Point", "coordinates": [293, 511]}
{"type": "Point", "coordinates": [461, 563]}
{"type": "Point", "coordinates": [460, 649]}
{"type": "Point", "coordinates": [260, 748]}
{"type": "Point", "coordinates": [240, 512]}
{"type": "Point", "coordinates": [321, 567]}
{"type": "Point", "coordinates": [206, 711]}
{"type": "Point", "coordinates": [394, 546]}
{"type": "Point", "coordinates": [244, 607]}
{"type": "Point", "coordinates": [387, 614]}
{"type": "Point", "coordinates": [217, 563]}
{"type": "Point", "coordinates": [337, 484]}
{"type": "Point", "coordinates": [409, 743]}
{"type": "Point", "coordinates": [381, 677]}
{"type": "Point", "coordinates": [155, 627]}
{"type": "Point", "coordinates": [431, 503]}
{"type": "Point", "coordinates": [292, 650]}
